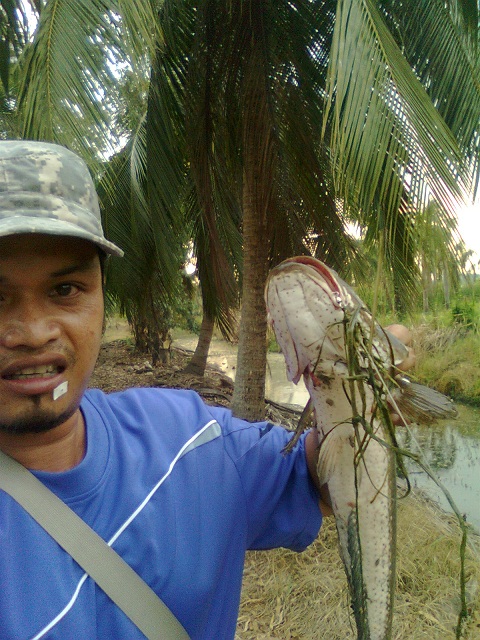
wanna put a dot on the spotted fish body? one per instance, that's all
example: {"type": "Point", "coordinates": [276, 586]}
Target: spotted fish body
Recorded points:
{"type": "Point", "coordinates": [311, 309]}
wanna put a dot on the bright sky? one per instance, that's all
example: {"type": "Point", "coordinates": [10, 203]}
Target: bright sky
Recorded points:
{"type": "Point", "coordinates": [469, 227]}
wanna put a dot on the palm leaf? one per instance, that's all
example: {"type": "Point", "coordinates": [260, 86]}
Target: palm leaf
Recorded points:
{"type": "Point", "coordinates": [72, 66]}
{"type": "Point", "coordinates": [127, 220]}
{"type": "Point", "coordinates": [371, 83]}
{"type": "Point", "coordinates": [166, 182]}
{"type": "Point", "coordinates": [14, 33]}
{"type": "Point", "coordinates": [396, 143]}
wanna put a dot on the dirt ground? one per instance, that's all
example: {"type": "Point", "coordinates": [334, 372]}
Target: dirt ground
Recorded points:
{"type": "Point", "coordinates": [120, 366]}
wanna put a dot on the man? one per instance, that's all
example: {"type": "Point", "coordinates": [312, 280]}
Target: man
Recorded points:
{"type": "Point", "coordinates": [182, 489]}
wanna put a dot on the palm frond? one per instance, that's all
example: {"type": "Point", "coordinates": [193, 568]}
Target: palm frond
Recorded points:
{"type": "Point", "coordinates": [128, 221]}
{"type": "Point", "coordinates": [14, 34]}
{"type": "Point", "coordinates": [441, 45]}
{"type": "Point", "coordinates": [72, 66]}
{"type": "Point", "coordinates": [165, 134]}
{"type": "Point", "coordinates": [387, 134]}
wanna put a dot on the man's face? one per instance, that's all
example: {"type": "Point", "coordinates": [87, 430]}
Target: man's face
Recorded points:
{"type": "Point", "coordinates": [51, 317]}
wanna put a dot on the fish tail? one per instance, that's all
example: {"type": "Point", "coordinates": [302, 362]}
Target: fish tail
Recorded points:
{"type": "Point", "coordinates": [357, 585]}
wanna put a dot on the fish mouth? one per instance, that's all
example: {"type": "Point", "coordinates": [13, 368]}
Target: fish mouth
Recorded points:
{"type": "Point", "coordinates": [303, 298]}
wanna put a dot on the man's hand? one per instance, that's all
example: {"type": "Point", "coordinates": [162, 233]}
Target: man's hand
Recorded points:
{"type": "Point", "coordinates": [404, 335]}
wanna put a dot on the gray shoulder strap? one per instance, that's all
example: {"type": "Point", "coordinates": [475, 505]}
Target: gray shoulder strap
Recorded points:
{"type": "Point", "coordinates": [112, 574]}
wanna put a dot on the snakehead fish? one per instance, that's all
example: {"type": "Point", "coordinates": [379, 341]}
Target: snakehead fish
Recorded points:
{"type": "Point", "coordinates": [328, 336]}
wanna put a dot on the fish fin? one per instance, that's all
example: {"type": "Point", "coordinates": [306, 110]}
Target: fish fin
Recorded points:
{"type": "Point", "coordinates": [336, 450]}
{"type": "Point", "coordinates": [303, 424]}
{"type": "Point", "coordinates": [419, 403]}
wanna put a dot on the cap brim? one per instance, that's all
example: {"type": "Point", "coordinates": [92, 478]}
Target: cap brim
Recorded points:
{"type": "Point", "coordinates": [15, 225]}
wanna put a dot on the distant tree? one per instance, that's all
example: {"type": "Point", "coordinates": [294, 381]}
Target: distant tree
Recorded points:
{"type": "Point", "coordinates": [437, 251]}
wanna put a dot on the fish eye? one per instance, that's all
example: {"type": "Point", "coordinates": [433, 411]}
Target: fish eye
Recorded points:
{"type": "Point", "coordinates": [339, 300]}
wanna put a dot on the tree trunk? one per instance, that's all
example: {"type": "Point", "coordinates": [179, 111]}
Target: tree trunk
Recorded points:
{"type": "Point", "coordinates": [248, 399]}
{"type": "Point", "coordinates": [425, 284]}
{"type": "Point", "coordinates": [151, 327]}
{"type": "Point", "coordinates": [197, 364]}
{"type": "Point", "coordinates": [446, 284]}
{"type": "Point", "coordinates": [259, 154]}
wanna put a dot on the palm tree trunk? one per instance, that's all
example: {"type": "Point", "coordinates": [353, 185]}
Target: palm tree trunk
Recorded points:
{"type": "Point", "coordinates": [446, 284]}
{"type": "Point", "coordinates": [425, 284]}
{"type": "Point", "coordinates": [259, 153]}
{"type": "Point", "coordinates": [248, 399]}
{"type": "Point", "coordinates": [197, 364]}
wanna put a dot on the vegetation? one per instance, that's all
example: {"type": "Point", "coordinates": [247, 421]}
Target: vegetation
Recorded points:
{"type": "Point", "coordinates": [448, 359]}
{"type": "Point", "coordinates": [265, 118]}
{"type": "Point", "coordinates": [447, 341]}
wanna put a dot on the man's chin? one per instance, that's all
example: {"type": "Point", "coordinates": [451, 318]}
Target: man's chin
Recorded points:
{"type": "Point", "coordinates": [38, 422]}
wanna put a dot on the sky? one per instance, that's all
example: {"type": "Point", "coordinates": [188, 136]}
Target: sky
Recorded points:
{"type": "Point", "coordinates": [469, 228]}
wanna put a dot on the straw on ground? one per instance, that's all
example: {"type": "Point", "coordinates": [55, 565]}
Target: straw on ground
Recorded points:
{"type": "Point", "coordinates": [305, 596]}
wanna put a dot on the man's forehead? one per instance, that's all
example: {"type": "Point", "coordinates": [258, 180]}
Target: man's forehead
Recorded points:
{"type": "Point", "coordinates": [26, 261]}
{"type": "Point", "coordinates": [43, 245]}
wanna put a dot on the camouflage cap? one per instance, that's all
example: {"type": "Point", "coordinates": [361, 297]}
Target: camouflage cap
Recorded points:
{"type": "Point", "coordinates": [45, 188]}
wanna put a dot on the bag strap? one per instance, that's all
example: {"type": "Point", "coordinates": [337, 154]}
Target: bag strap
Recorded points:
{"type": "Point", "coordinates": [111, 573]}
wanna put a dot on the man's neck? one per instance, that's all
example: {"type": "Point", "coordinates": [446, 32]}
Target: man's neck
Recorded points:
{"type": "Point", "coordinates": [59, 449]}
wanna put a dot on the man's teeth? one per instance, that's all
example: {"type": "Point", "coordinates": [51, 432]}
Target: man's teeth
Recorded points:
{"type": "Point", "coordinates": [35, 372]}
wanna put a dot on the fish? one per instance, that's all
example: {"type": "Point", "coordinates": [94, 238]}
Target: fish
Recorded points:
{"type": "Point", "coordinates": [349, 364]}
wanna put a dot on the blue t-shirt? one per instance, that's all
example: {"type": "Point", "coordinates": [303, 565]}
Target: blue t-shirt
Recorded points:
{"type": "Point", "coordinates": [180, 490]}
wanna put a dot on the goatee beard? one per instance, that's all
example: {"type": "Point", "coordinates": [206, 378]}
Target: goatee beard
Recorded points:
{"type": "Point", "coordinates": [42, 422]}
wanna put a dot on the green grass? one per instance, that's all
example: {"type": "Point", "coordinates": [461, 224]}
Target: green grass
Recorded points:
{"type": "Point", "coordinates": [448, 359]}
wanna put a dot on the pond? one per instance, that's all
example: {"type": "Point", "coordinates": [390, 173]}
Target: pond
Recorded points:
{"type": "Point", "coordinates": [451, 448]}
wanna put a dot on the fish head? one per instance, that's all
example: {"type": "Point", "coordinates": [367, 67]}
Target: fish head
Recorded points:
{"type": "Point", "coordinates": [306, 303]}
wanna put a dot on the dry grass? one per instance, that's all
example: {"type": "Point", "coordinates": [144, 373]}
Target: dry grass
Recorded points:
{"type": "Point", "coordinates": [304, 596]}
{"type": "Point", "coordinates": [448, 359]}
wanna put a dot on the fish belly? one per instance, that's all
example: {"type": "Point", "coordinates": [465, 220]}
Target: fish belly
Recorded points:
{"type": "Point", "coordinates": [359, 472]}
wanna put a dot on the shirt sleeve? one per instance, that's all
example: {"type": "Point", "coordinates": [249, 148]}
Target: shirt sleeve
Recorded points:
{"type": "Point", "coordinates": [281, 499]}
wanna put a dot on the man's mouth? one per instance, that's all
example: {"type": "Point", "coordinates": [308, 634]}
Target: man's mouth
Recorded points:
{"type": "Point", "coordinates": [37, 372]}
{"type": "Point", "coordinates": [34, 376]}
{"type": "Point", "coordinates": [44, 371]}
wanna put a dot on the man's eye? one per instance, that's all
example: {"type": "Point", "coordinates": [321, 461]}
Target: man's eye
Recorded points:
{"type": "Point", "coordinates": [65, 290]}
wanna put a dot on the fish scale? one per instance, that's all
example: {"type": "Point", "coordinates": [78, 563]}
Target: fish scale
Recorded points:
{"type": "Point", "coordinates": [311, 310]}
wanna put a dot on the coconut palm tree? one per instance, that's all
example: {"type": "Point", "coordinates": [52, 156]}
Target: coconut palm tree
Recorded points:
{"type": "Point", "coordinates": [437, 254]}
{"type": "Point", "coordinates": [278, 110]}
{"type": "Point", "coordinates": [262, 78]}
{"type": "Point", "coordinates": [111, 70]}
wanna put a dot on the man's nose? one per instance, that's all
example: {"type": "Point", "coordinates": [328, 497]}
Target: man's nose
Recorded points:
{"type": "Point", "coordinates": [30, 328]}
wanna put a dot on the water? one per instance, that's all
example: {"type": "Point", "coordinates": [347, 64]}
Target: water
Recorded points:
{"type": "Point", "coordinates": [451, 448]}
{"type": "Point", "coordinates": [223, 356]}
